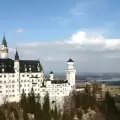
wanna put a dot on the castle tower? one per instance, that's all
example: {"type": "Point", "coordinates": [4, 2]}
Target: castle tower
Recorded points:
{"type": "Point", "coordinates": [70, 72]}
{"type": "Point", "coordinates": [17, 74]}
{"type": "Point", "coordinates": [51, 76]}
{"type": "Point", "coordinates": [4, 49]}
{"type": "Point", "coordinates": [16, 63]}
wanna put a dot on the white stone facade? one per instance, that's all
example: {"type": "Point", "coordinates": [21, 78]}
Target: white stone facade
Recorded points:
{"type": "Point", "coordinates": [13, 83]}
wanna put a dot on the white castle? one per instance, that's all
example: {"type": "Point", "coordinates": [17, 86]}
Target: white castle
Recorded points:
{"type": "Point", "coordinates": [17, 74]}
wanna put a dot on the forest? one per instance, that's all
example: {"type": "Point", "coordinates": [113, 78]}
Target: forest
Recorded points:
{"type": "Point", "coordinates": [77, 106]}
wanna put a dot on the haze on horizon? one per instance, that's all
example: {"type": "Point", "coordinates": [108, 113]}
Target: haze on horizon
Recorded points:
{"type": "Point", "coordinates": [88, 31]}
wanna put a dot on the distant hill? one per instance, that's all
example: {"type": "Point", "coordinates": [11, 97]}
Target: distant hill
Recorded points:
{"type": "Point", "coordinates": [85, 76]}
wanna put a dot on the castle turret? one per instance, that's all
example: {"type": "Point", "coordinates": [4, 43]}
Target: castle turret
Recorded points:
{"type": "Point", "coordinates": [16, 62]}
{"type": "Point", "coordinates": [51, 77]}
{"type": "Point", "coordinates": [4, 49]}
{"type": "Point", "coordinates": [70, 72]}
{"type": "Point", "coordinates": [17, 73]}
{"type": "Point", "coordinates": [16, 56]}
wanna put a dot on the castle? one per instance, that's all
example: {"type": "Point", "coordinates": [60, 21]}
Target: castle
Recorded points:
{"type": "Point", "coordinates": [17, 74]}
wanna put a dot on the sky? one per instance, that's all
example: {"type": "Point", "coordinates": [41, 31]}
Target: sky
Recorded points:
{"type": "Point", "coordinates": [88, 31]}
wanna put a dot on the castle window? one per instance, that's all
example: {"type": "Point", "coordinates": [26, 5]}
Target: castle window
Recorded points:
{"type": "Point", "coordinates": [4, 81]}
{"type": "Point", "coordinates": [13, 86]}
{"type": "Point", "coordinates": [27, 75]}
{"type": "Point", "coordinates": [0, 86]}
{"type": "Point", "coordinates": [38, 69]}
{"type": "Point", "coordinates": [4, 75]}
{"type": "Point", "coordinates": [23, 75]}
{"type": "Point", "coordinates": [2, 70]}
{"type": "Point", "coordinates": [12, 75]}
{"type": "Point", "coordinates": [12, 90]}
{"type": "Point", "coordinates": [0, 75]}
{"type": "Point", "coordinates": [0, 81]}
{"type": "Point", "coordinates": [0, 91]}
{"type": "Point", "coordinates": [25, 69]}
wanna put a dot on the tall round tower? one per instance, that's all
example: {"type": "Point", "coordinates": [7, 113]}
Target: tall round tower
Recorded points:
{"type": "Point", "coordinates": [51, 76]}
{"type": "Point", "coordinates": [4, 49]}
{"type": "Point", "coordinates": [70, 72]}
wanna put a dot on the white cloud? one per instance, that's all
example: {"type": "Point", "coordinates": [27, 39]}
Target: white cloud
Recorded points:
{"type": "Point", "coordinates": [81, 38]}
{"type": "Point", "coordinates": [19, 30]}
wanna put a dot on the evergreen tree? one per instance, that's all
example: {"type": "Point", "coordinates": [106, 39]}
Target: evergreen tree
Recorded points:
{"type": "Point", "coordinates": [55, 113]}
{"type": "Point", "coordinates": [23, 99]}
{"type": "Point", "coordinates": [78, 99]}
{"type": "Point", "coordinates": [2, 115]}
{"type": "Point", "coordinates": [38, 97]}
{"type": "Point", "coordinates": [85, 102]}
{"type": "Point", "coordinates": [46, 108]}
{"type": "Point", "coordinates": [87, 89]}
{"type": "Point", "coordinates": [79, 114]}
{"type": "Point", "coordinates": [23, 102]}
{"type": "Point", "coordinates": [65, 116]}
{"type": "Point", "coordinates": [31, 102]}
{"type": "Point", "coordinates": [38, 113]}
{"type": "Point", "coordinates": [108, 108]}
{"type": "Point", "coordinates": [25, 116]}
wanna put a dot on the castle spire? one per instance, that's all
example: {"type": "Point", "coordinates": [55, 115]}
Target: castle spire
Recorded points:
{"type": "Point", "coordinates": [16, 55]}
{"type": "Point", "coordinates": [70, 60]}
{"type": "Point", "coordinates": [4, 43]}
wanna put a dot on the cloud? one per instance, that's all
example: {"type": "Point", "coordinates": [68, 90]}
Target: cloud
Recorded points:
{"type": "Point", "coordinates": [19, 30]}
{"type": "Point", "coordinates": [90, 53]}
{"type": "Point", "coordinates": [82, 39]}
